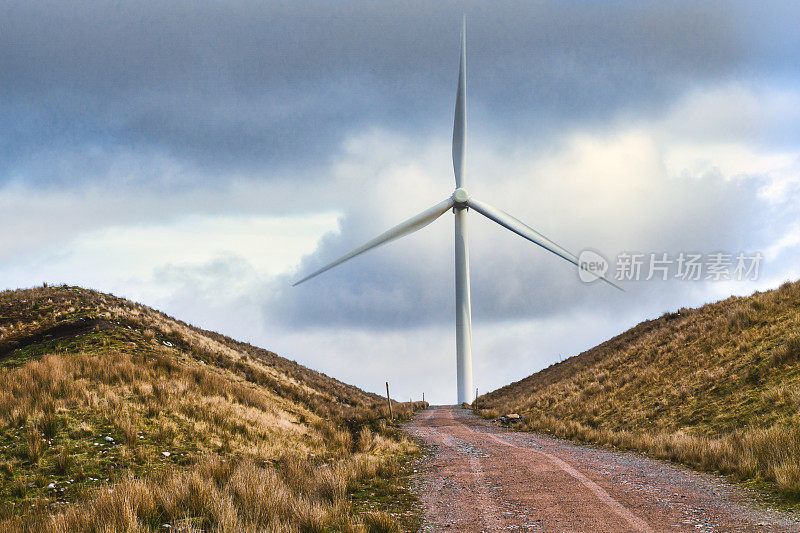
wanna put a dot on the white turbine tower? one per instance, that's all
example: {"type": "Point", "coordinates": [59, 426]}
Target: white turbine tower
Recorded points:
{"type": "Point", "coordinates": [460, 202]}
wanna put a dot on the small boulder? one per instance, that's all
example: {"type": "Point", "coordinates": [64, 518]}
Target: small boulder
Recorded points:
{"type": "Point", "coordinates": [511, 418]}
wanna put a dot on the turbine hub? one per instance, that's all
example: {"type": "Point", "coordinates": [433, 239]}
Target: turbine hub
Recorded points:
{"type": "Point", "coordinates": [460, 197]}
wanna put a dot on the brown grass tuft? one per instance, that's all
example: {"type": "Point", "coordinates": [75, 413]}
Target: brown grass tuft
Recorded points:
{"type": "Point", "coordinates": [380, 522]}
{"type": "Point", "coordinates": [63, 461]}
{"type": "Point", "coordinates": [789, 352]}
{"type": "Point", "coordinates": [34, 444]}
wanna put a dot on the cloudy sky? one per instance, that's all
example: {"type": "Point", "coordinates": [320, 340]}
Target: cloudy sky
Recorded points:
{"type": "Point", "coordinates": [199, 156]}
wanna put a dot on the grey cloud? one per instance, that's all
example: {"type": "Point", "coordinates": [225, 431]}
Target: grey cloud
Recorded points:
{"type": "Point", "coordinates": [411, 284]}
{"type": "Point", "coordinates": [239, 86]}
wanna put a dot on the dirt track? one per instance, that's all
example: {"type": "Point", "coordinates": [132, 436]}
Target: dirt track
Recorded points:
{"type": "Point", "coordinates": [478, 477]}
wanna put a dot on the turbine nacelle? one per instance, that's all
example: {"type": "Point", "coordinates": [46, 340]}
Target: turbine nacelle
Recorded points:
{"type": "Point", "coordinates": [460, 198]}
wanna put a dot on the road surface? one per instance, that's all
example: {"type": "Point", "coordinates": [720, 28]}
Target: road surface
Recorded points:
{"type": "Point", "coordinates": [479, 477]}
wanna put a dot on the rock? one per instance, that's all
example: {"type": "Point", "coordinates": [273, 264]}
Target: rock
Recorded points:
{"type": "Point", "coordinates": [511, 418]}
{"type": "Point", "coordinates": [165, 454]}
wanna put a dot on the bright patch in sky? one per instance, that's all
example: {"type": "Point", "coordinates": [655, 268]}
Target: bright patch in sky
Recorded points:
{"type": "Point", "coordinates": [271, 245]}
{"type": "Point", "coordinates": [115, 257]}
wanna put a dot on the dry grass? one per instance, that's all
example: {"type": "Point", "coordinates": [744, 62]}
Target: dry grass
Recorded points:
{"type": "Point", "coordinates": [123, 415]}
{"type": "Point", "coordinates": [227, 496]}
{"type": "Point", "coordinates": [34, 444]}
{"type": "Point", "coordinates": [378, 521]}
{"type": "Point", "coordinates": [789, 352]}
{"type": "Point", "coordinates": [716, 387]}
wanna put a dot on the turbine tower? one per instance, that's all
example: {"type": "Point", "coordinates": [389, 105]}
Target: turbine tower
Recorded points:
{"type": "Point", "coordinates": [460, 202]}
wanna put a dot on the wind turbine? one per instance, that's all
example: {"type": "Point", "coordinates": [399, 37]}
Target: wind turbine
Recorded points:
{"type": "Point", "coordinates": [460, 201]}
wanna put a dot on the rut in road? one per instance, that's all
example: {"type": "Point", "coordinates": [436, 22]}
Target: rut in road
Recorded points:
{"type": "Point", "coordinates": [478, 477]}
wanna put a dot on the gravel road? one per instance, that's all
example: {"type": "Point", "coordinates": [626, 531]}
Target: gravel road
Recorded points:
{"type": "Point", "coordinates": [479, 477]}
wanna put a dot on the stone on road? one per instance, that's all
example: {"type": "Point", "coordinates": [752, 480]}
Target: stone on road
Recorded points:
{"type": "Point", "coordinates": [479, 477]}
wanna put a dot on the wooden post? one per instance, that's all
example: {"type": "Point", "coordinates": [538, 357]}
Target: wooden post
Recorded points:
{"type": "Point", "coordinates": [423, 397]}
{"type": "Point", "coordinates": [389, 399]}
{"type": "Point", "coordinates": [476, 398]}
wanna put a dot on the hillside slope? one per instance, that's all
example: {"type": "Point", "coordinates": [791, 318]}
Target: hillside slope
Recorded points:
{"type": "Point", "coordinates": [716, 387]}
{"type": "Point", "coordinates": [113, 415]}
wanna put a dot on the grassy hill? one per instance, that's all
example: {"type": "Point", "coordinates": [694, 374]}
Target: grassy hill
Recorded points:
{"type": "Point", "coordinates": [716, 387]}
{"type": "Point", "coordinates": [115, 417]}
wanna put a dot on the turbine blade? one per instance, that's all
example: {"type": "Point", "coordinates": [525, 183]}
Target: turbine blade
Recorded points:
{"type": "Point", "coordinates": [523, 230]}
{"type": "Point", "coordinates": [401, 230]}
{"type": "Point", "coordinates": [460, 120]}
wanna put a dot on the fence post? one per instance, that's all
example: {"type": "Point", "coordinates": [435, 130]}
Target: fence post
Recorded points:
{"type": "Point", "coordinates": [389, 399]}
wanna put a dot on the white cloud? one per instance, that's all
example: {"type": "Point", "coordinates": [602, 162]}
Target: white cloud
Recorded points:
{"type": "Point", "coordinates": [737, 112]}
{"type": "Point", "coordinates": [147, 261]}
{"type": "Point", "coordinates": [271, 245]}
{"type": "Point", "coordinates": [735, 130]}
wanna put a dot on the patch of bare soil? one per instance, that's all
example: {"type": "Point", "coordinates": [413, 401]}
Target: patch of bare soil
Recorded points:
{"type": "Point", "coordinates": [67, 330]}
{"type": "Point", "coordinates": [479, 477]}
